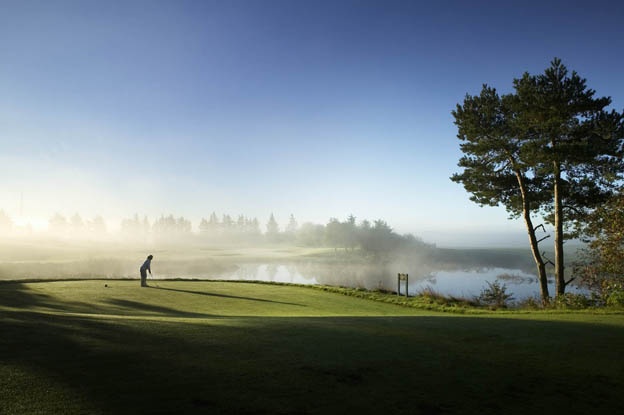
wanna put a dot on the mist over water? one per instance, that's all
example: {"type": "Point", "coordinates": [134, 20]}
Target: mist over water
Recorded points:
{"type": "Point", "coordinates": [457, 283]}
{"type": "Point", "coordinates": [368, 255]}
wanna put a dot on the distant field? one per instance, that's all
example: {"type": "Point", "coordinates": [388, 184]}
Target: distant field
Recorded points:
{"type": "Point", "coordinates": [53, 259]}
{"type": "Point", "coordinates": [110, 347]}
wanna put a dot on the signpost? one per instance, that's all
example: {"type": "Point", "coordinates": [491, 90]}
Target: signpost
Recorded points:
{"type": "Point", "coordinates": [402, 277]}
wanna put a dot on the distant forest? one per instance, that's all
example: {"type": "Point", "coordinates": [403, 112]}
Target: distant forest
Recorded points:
{"type": "Point", "coordinates": [349, 238]}
{"type": "Point", "coordinates": [376, 236]}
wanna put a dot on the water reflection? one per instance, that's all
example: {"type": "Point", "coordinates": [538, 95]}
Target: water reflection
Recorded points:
{"type": "Point", "coordinates": [459, 283]}
{"type": "Point", "coordinates": [270, 273]}
{"type": "Point", "coordinates": [470, 283]}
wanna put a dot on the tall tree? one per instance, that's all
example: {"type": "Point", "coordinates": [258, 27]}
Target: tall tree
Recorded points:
{"type": "Point", "coordinates": [183, 226]}
{"type": "Point", "coordinates": [97, 226]}
{"type": "Point", "coordinates": [77, 224]}
{"type": "Point", "coordinates": [292, 226]}
{"type": "Point", "coordinates": [240, 223]}
{"type": "Point", "coordinates": [227, 223]}
{"type": "Point", "coordinates": [254, 226]}
{"type": "Point", "coordinates": [272, 228]}
{"type": "Point", "coordinates": [493, 170]}
{"type": "Point", "coordinates": [333, 234]}
{"type": "Point", "coordinates": [311, 234]}
{"type": "Point", "coordinates": [146, 226]}
{"type": "Point", "coordinates": [351, 232]}
{"type": "Point", "coordinates": [58, 224]}
{"type": "Point", "coordinates": [550, 148]}
{"type": "Point", "coordinates": [204, 227]}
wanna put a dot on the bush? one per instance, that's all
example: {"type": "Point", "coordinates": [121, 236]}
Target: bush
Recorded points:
{"type": "Point", "coordinates": [616, 298]}
{"type": "Point", "coordinates": [495, 295]}
{"type": "Point", "coordinates": [573, 301]}
{"type": "Point", "coordinates": [531, 303]}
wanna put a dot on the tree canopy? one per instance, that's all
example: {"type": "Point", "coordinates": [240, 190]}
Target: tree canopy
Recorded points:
{"type": "Point", "coordinates": [548, 149]}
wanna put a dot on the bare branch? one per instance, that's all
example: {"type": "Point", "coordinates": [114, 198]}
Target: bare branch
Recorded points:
{"type": "Point", "coordinates": [545, 237]}
{"type": "Point", "coordinates": [548, 261]}
{"type": "Point", "coordinates": [572, 208]}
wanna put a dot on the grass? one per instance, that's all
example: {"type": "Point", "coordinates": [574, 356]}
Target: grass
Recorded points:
{"type": "Point", "coordinates": [80, 347]}
{"type": "Point", "coordinates": [53, 259]}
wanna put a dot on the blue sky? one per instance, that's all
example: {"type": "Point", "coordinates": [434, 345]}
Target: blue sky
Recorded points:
{"type": "Point", "coordinates": [316, 108]}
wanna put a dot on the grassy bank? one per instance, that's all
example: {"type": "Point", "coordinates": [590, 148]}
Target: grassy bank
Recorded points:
{"type": "Point", "coordinates": [107, 347]}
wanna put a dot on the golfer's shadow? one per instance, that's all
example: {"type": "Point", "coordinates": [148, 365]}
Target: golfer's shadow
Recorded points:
{"type": "Point", "coordinates": [225, 296]}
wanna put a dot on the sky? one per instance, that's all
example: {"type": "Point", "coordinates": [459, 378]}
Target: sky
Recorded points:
{"type": "Point", "coordinates": [318, 109]}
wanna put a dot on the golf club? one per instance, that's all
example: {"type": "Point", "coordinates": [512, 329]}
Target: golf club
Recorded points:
{"type": "Point", "coordinates": [151, 277]}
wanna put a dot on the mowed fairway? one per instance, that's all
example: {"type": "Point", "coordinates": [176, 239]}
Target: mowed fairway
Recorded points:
{"type": "Point", "coordinates": [78, 347]}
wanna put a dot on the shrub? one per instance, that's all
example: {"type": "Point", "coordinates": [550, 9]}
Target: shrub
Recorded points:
{"type": "Point", "coordinates": [432, 295]}
{"type": "Point", "coordinates": [532, 303]}
{"type": "Point", "coordinates": [616, 298]}
{"type": "Point", "coordinates": [573, 301]}
{"type": "Point", "coordinates": [495, 295]}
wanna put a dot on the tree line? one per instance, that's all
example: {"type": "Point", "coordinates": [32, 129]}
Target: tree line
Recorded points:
{"type": "Point", "coordinates": [347, 235]}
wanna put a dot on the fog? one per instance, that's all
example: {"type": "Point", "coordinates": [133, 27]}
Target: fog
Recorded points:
{"type": "Point", "coordinates": [348, 252]}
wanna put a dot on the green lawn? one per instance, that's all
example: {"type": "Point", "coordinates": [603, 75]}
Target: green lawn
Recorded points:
{"type": "Point", "coordinates": [79, 347]}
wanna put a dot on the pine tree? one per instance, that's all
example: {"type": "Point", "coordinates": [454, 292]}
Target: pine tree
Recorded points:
{"type": "Point", "coordinates": [272, 228]}
{"type": "Point", "coordinates": [292, 226]}
{"type": "Point", "coordinates": [550, 148]}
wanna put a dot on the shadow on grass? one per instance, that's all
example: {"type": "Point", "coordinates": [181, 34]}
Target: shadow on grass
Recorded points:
{"type": "Point", "coordinates": [54, 363]}
{"type": "Point", "coordinates": [147, 309]}
{"type": "Point", "coordinates": [428, 365]}
{"type": "Point", "coordinates": [224, 296]}
{"type": "Point", "coordinates": [21, 295]}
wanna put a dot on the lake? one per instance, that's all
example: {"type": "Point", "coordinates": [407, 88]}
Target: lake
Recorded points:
{"type": "Point", "coordinates": [459, 283]}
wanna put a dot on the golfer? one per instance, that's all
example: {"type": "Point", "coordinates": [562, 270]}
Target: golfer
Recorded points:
{"type": "Point", "coordinates": [144, 268]}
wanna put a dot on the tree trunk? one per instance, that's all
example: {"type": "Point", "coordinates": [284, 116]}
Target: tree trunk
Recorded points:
{"type": "Point", "coordinates": [539, 262]}
{"type": "Point", "coordinates": [559, 267]}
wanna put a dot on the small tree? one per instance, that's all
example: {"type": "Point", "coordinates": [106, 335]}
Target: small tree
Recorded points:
{"type": "Point", "coordinates": [495, 295]}
{"type": "Point", "coordinates": [602, 266]}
